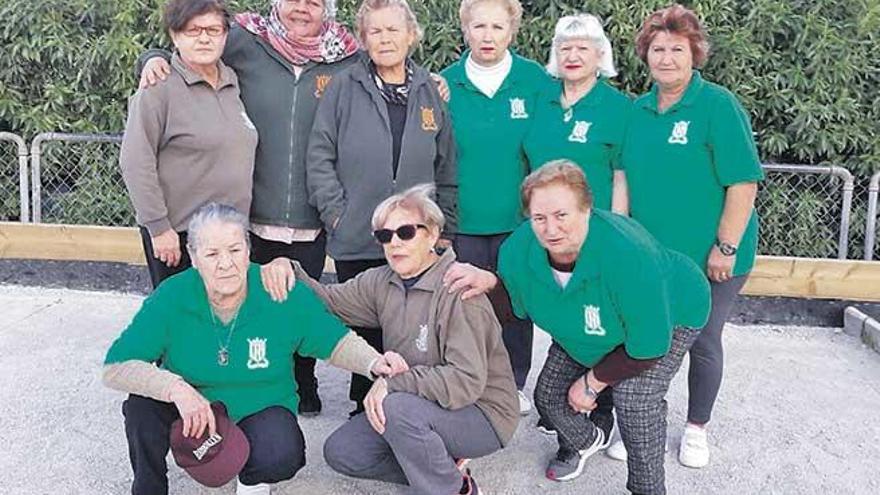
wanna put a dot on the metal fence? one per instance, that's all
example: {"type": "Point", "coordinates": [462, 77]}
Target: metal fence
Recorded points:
{"type": "Point", "coordinates": [76, 180]}
{"type": "Point", "coordinates": [871, 227]}
{"type": "Point", "coordinates": [13, 178]}
{"type": "Point", "coordinates": [806, 211]}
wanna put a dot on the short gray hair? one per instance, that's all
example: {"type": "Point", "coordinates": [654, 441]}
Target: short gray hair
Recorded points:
{"type": "Point", "coordinates": [370, 5]}
{"type": "Point", "coordinates": [513, 7]}
{"type": "Point", "coordinates": [417, 199]}
{"type": "Point", "coordinates": [582, 26]}
{"type": "Point", "coordinates": [214, 213]}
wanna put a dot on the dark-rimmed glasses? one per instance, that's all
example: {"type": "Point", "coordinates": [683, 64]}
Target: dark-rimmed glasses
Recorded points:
{"type": "Point", "coordinates": [404, 233]}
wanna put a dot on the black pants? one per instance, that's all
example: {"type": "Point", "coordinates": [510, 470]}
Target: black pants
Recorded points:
{"type": "Point", "coordinates": [277, 445]}
{"type": "Point", "coordinates": [311, 256]}
{"type": "Point", "coordinates": [360, 385]}
{"type": "Point", "coordinates": [482, 252]}
{"type": "Point", "coordinates": [160, 271]}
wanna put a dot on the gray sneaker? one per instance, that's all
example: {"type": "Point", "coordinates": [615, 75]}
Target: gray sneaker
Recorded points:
{"type": "Point", "coordinates": [568, 465]}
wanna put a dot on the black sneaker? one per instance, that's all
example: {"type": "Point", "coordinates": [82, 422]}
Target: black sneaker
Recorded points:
{"type": "Point", "coordinates": [604, 422]}
{"type": "Point", "coordinates": [309, 404]}
{"type": "Point", "coordinates": [468, 484]}
{"type": "Point", "coordinates": [357, 410]}
{"type": "Point", "coordinates": [568, 465]}
{"type": "Point", "coordinates": [544, 427]}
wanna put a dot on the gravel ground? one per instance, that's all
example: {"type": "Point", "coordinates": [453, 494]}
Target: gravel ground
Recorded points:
{"type": "Point", "coordinates": [797, 414]}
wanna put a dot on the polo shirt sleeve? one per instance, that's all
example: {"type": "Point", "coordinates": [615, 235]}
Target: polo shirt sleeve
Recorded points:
{"type": "Point", "coordinates": [510, 275]}
{"type": "Point", "coordinates": [146, 337]}
{"type": "Point", "coordinates": [639, 287]}
{"type": "Point", "coordinates": [622, 128]}
{"type": "Point", "coordinates": [319, 330]}
{"type": "Point", "coordinates": [734, 153]}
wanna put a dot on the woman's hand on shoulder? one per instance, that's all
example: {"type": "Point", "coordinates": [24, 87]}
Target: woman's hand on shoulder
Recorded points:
{"type": "Point", "coordinates": [475, 281]}
{"type": "Point", "coordinates": [442, 86]}
{"type": "Point", "coordinates": [155, 69]}
{"type": "Point", "coordinates": [278, 278]}
{"type": "Point", "coordinates": [194, 409]}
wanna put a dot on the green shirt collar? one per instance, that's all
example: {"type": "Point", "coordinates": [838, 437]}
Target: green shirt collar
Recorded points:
{"type": "Point", "coordinates": [586, 267]}
{"type": "Point", "coordinates": [457, 74]}
{"type": "Point", "coordinates": [257, 297]}
{"type": "Point", "coordinates": [687, 99]}
{"type": "Point", "coordinates": [594, 98]}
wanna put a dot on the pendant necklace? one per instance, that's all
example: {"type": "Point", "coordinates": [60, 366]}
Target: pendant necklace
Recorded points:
{"type": "Point", "coordinates": [223, 349]}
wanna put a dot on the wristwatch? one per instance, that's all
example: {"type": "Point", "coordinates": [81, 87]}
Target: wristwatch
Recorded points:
{"type": "Point", "coordinates": [726, 248]}
{"type": "Point", "coordinates": [590, 391]}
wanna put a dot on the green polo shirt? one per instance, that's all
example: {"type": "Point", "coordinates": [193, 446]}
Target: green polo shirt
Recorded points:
{"type": "Point", "coordinates": [590, 133]}
{"type": "Point", "coordinates": [679, 163]}
{"type": "Point", "coordinates": [488, 135]}
{"type": "Point", "coordinates": [626, 289]}
{"type": "Point", "coordinates": [175, 325]}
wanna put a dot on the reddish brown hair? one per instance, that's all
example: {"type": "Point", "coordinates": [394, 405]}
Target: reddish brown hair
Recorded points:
{"type": "Point", "coordinates": [675, 19]}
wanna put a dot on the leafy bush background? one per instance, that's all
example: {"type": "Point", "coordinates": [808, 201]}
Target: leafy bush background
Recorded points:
{"type": "Point", "coordinates": [807, 70]}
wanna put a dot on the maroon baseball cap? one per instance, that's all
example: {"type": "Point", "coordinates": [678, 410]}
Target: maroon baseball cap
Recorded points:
{"type": "Point", "coordinates": [212, 460]}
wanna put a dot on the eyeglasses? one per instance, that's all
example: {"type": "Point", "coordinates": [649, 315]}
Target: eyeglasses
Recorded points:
{"type": "Point", "coordinates": [404, 233]}
{"type": "Point", "coordinates": [196, 31]}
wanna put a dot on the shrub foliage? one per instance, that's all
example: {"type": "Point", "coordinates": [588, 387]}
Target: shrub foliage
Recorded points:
{"type": "Point", "coordinates": [807, 70]}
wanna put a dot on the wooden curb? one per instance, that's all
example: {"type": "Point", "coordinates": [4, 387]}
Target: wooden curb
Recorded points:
{"type": "Point", "coordinates": [772, 276]}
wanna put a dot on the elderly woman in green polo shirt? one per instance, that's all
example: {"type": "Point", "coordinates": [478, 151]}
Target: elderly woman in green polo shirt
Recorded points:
{"type": "Point", "coordinates": [693, 169]}
{"type": "Point", "coordinates": [493, 96]}
{"type": "Point", "coordinates": [620, 307]}
{"type": "Point", "coordinates": [219, 337]}
{"type": "Point", "coordinates": [583, 117]}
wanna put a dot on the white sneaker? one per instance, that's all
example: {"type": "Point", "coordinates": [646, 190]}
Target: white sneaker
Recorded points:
{"type": "Point", "coordinates": [617, 451]}
{"type": "Point", "coordinates": [525, 405]}
{"type": "Point", "coordinates": [261, 489]}
{"type": "Point", "coordinates": [694, 450]}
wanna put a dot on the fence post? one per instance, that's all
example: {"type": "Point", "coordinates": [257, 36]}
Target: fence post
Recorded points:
{"type": "Point", "coordinates": [845, 210]}
{"type": "Point", "coordinates": [871, 222]}
{"type": "Point", "coordinates": [37, 188]}
{"type": "Point", "coordinates": [23, 186]}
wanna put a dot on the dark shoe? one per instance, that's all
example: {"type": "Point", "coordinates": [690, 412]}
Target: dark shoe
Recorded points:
{"type": "Point", "coordinates": [468, 484]}
{"type": "Point", "coordinates": [568, 465]}
{"type": "Point", "coordinates": [604, 422]}
{"type": "Point", "coordinates": [544, 427]}
{"type": "Point", "coordinates": [357, 410]}
{"type": "Point", "coordinates": [309, 404]}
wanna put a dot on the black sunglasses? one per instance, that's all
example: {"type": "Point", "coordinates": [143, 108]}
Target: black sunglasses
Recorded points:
{"type": "Point", "coordinates": [404, 232]}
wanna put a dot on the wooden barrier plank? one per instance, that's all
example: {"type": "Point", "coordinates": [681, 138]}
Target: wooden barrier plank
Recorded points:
{"type": "Point", "coordinates": [772, 275]}
{"type": "Point", "coordinates": [815, 278]}
{"type": "Point", "coordinates": [70, 242]}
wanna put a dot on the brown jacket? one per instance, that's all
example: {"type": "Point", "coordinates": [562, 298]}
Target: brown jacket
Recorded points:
{"type": "Point", "coordinates": [453, 347]}
{"type": "Point", "coordinates": [186, 144]}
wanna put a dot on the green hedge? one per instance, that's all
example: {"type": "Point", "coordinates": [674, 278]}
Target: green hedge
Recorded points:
{"type": "Point", "coordinates": [808, 71]}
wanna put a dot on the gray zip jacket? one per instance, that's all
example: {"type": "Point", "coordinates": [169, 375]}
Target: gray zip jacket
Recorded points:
{"type": "Point", "coordinates": [349, 160]}
{"type": "Point", "coordinates": [453, 347]}
{"type": "Point", "coordinates": [282, 107]}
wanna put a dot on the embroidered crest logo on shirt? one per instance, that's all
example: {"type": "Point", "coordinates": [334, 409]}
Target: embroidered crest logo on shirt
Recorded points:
{"type": "Point", "coordinates": [428, 122]}
{"type": "Point", "coordinates": [592, 321]}
{"type": "Point", "coordinates": [422, 340]}
{"type": "Point", "coordinates": [566, 117]}
{"type": "Point", "coordinates": [257, 354]}
{"type": "Point", "coordinates": [680, 132]}
{"type": "Point", "coordinates": [518, 108]}
{"type": "Point", "coordinates": [579, 131]}
{"type": "Point", "coordinates": [321, 82]}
